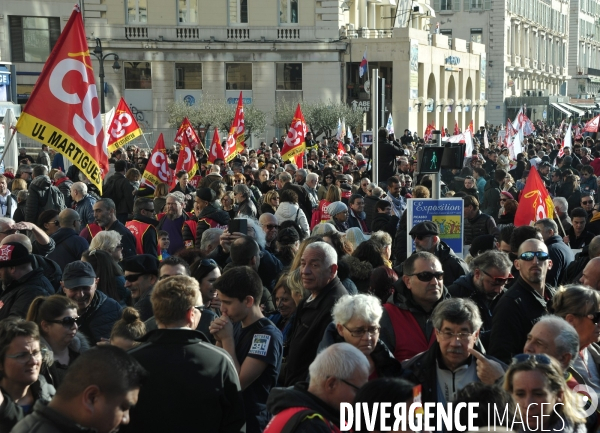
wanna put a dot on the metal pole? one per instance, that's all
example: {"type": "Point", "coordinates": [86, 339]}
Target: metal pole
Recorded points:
{"type": "Point", "coordinates": [435, 177]}
{"type": "Point", "coordinates": [383, 119]}
{"type": "Point", "coordinates": [374, 123]}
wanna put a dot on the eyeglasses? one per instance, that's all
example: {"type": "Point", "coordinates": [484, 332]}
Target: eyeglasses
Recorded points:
{"type": "Point", "coordinates": [498, 280]}
{"type": "Point", "coordinates": [359, 333]}
{"type": "Point", "coordinates": [351, 385]}
{"type": "Point", "coordinates": [461, 336]}
{"type": "Point", "coordinates": [539, 358]}
{"type": "Point", "coordinates": [67, 322]}
{"type": "Point", "coordinates": [588, 202]}
{"type": "Point", "coordinates": [25, 357]}
{"type": "Point", "coordinates": [199, 308]}
{"type": "Point", "coordinates": [529, 255]}
{"type": "Point", "coordinates": [421, 237]}
{"type": "Point", "coordinates": [271, 226]}
{"type": "Point", "coordinates": [133, 277]}
{"type": "Point", "coordinates": [594, 317]}
{"type": "Point", "coordinates": [503, 199]}
{"type": "Point", "coordinates": [427, 276]}
{"type": "Point", "coordinates": [208, 262]}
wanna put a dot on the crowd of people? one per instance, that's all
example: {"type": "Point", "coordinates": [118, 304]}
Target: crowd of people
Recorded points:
{"type": "Point", "coordinates": [258, 296]}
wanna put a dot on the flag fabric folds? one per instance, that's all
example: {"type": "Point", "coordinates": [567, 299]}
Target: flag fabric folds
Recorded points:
{"type": "Point", "coordinates": [237, 132]}
{"type": "Point", "coordinates": [535, 202]}
{"type": "Point", "coordinates": [63, 110]}
{"type": "Point", "coordinates": [123, 127]}
{"type": "Point", "coordinates": [364, 66]}
{"type": "Point", "coordinates": [456, 130]}
{"type": "Point", "coordinates": [429, 132]}
{"type": "Point", "coordinates": [188, 139]}
{"type": "Point", "coordinates": [294, 144]}
{"type": "Point", "coordinates": [158, 170]}
{"type": "Point", "coordinates": [216, 150]}
{"type": "Point", "coordinates": [592, 125]}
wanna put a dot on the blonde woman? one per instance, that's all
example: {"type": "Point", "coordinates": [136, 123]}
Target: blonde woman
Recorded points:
{"type": "Point", "coordinates": [228, 202]}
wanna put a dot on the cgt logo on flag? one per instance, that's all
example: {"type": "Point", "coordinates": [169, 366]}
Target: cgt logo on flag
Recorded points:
{"type": "Point", "coordinates": [6, 252]}
{"type": "Point", "coordinates": [536, 203]}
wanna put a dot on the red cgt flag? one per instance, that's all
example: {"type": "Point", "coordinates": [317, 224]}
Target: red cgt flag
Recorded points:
{"type": "Point", "coordinates": [216, 150]}
{"type": "Point", "coordinates": [158, 170]}
{"type": "Point", "coordinates": [591, 126]}
{"type": "Point", "coordinates": [429, 132]}
{"type": "Point", "coordinates": [236, 136]}
{"type": "Point", "coordinates": [535, 202]}
{"type": "Point", "coordinates": [187, 138]}
{"type": "Point", "coordinates": [123, 127]}
{"type": "Point", "coordinates": [295, 145]}
{"type": "Point", "coordinates": [63, 110]}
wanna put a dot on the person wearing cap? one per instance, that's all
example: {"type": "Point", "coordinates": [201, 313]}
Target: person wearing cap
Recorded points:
{"type": "Point", "coordinates": [105, 214]}
{"type": "Point", "coordinates": [338, 212]}
{"type": "Point", "coordinates": [69, 245]}
{"type": "Point", "coordinates": [21, 283]}
{"type": "Point", "coordinates": [207, 216]}
{"type": "Point", "coordinates": [97, 312]}
{"type": "Point", "coordinates": [141, 274]}
{"type": "Point", "coordinates": [143, 227]}
{"type": "Point", "coordinates": [426, 236]}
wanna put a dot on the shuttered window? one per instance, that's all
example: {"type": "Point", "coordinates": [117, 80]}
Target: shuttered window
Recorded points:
{"type": "Point", "coordinates": [32, 38]}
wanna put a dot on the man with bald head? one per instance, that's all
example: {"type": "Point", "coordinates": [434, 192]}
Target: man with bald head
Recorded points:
{"type": "Point", "coordinates": [591, 274]}
{"type": "Point", "coordinates": [524, 303]}
{"type": "Point", "coordinates": [84, 203]}
{"type": "Point", "coordinates": [69, 245]}
{"type": "Point", "coordinates": [270, 226]}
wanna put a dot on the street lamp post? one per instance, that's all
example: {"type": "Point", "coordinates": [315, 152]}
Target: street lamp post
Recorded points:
{"type": "Point", "coordinates": [97, 53]}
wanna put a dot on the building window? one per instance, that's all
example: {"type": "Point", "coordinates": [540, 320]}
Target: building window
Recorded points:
{"type": "Point", "coordinates": [138, 75]}
{"type": "Point", "coordinates": [188, 76]}
{"type": "Point", "coordinates": [188, 11]}
{"type": "Point", "coordinates": [238, 76]}
{"type": "Point", "coordinates": [288, 11]}
{"type": "Point", "coordinates": [137, 11]}
{"type": "Point", "coordinates": [238, 11]}
{"type": "Point", "coordinates": [476, 35]}
{"type": "Point", "coordinates": [446, 5]}
{"type": "Point", "coordinates": [476, 4]}
{"type": "Point", "coordinates": [32, 38]}
{"type": "Point", "coordinates": [289, 76]}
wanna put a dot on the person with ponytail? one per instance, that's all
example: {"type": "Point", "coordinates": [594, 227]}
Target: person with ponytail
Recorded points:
{"type": "Point", "coordinates": [127, 329]}
{"type": "Point", "coordinates": [56, 317]}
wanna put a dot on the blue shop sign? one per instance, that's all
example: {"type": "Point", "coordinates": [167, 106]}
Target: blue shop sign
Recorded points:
{"type": "Point", "coordinates": [4, 78]}
{"type": "Point", "coordinates": [453, 60]}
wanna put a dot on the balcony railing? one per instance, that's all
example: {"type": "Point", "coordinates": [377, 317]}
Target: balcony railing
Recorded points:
{"type": "Point", "coordinates": [370, 33]}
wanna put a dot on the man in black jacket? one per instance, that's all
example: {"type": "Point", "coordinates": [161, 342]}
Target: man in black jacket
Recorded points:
{"type": "Point", "coordinates": [42, 195]}
{"type": "Point", "coordinates": [119, 189]}
{"type": "Point", "coordinates": [387, 153]}
{"type": "Point", "coordinates": [524, 303]}
{"type": "Point", "coordinates": [69, 245]}
{"type": "Point", "coordinates": [384, 220]}
{"type": "Point", "coordinates": [560, 253]}
{"type": "Point", "coordinates": [105, 215]}
{"type": "Point", "coordinates": [476, 222]}
{"type": "Point", "coordinates": [319, 276]}
{"type": "Point", "coordinates": [181, 364]}
{"type": "Point", "coordinates": [483, 285]}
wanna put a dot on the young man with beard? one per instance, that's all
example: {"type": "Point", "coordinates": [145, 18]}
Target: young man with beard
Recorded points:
{"type": "Point", "coordinates": [253, 341]}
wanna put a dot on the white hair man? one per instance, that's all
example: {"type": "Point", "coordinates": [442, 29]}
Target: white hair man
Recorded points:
{"type": "Point", "coordinates": [310, 186]}
{"type": "Point", "coordinates": [561, 206]}
{"type": "Point", "coordinates": [318, 269]}
{"type": "Point", "coordinates": [336, 374]}
{"type": "Point", "coordinates": [84, 203]}
{"type": "Point", "coordinates": [209, 244]}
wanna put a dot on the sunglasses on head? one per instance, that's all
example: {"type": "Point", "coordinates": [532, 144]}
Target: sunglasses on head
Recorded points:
{"type": "Point", "coordinates": [539, 358]}
{"type": "Point", "coordinates": [529, 255]}
{"type": "Point", "coordinates": [67, 322]}
{"type": "Point", "coordinates": [427, 276]}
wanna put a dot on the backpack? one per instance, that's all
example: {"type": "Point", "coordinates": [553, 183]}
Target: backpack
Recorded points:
{"type": "Point", "coordinates": [54, 199]}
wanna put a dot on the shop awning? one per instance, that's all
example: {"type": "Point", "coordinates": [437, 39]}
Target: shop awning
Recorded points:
{"type": "Point", "coordinates": [561, 109]}
{"type": "Point", "coordinates": [572, 108]}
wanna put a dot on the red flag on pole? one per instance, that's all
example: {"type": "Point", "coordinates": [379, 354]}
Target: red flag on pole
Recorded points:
{"type": "Point", "coordinates": [591, 126]}
{"type": "Point", "coordinates": [63, 110]}
{"type": "Point", "coordinates": [236, 136]}
{"type": "Point", "coordinates": [187, 138]}
{"type": "Point", "coordinates": [294, 145]}
{"type": "Point", "coordinates": [158, 170]}
{"type": "Point", "coordinates": [535, 202]}
{"type": "Point", "coordinates": [186, 134]}
{"type": "Point", "coordinates": [123, 127]}
{"type": "Point", "coordinates": [429, 132]}
{"type": "Point", "coordinates": [216, 150]}
{"type": "Point", "coordinates": [471, 126]}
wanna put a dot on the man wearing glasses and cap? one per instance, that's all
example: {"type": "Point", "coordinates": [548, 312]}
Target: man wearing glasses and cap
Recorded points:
{"type": "Point", "coordinates": [141, 274]}
{"type": "Point", "coordinates": [526, 301]}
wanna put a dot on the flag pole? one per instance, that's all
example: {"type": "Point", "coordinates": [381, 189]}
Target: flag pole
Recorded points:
{"type": "Point", "coordinates": [8, 145]}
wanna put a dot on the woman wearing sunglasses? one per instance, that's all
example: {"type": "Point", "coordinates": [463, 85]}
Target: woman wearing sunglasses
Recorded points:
{"type": "Point", "coordinates": [580, 306]}
{"type": "Point", "coordinates": [328, 180]}
{"type": "Point", "coordinates": [56, 317]}
{"type": "Point", "coordinates": [537, 385]}
{"type": "Point", "coordinates": [21, 384]}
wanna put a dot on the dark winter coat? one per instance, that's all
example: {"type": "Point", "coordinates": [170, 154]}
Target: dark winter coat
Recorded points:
{"type": "Point", "coordinates": [97, 320]}
{"type": "Point", "coordinates": [210, 212]}
{"type": "Point", "coordinates": [19, 294]}
{"type": "Point", "coordinates": [50, 268]}
{"type": "Point", "coordinates": [69, 246]}
{"type": "Point", "coordinates": [40, 191]}
{"type": "Point", "coordinates": [120, 190]}
{"type": "Point", "coordinates": [561, 255]}
{"type": "Point", "coordinates": [387, 153]}
{"type": "Point", "coordinates": [85, 209]}
{"type": "Point", "coordinates": [11, 413]}
{"type": "Point", "coordinates": [370, 209]}
{"type": "Point", "coordinates": [64, 185]}
{"type": "Point", "coordinates": [386, 223]}
{"type": "Point", "coordinates": [491, 198]}
{"type": "Point", "coordinates": [360, 272]}
{"type": "Point", "coordinates": [482, 224]}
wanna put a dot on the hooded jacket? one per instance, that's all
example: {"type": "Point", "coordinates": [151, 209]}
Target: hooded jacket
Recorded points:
{"type": "Point", "coordinates": [18, 295]}
{"type": "Point", "coordinates": [292, 212]}
{"type": "Point", "coordinates": [40, 191]}
{"type": "Point", "coordinates": [64, 185]}
{"type": "Point", "coordinates": [298, 396]}
{"type": "Point", "coordinates": [50, 268]}
{"type": "Point", "coordinates": [406, 327]}
{"type": "Point", "coordinates": [69, 246]}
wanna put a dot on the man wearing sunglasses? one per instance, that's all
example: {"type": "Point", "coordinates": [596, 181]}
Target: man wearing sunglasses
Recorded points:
{"type": "Point", "coordinates": [525, 302]}
{"type": "Point", "coordinates": [141, 274]}
{"type": "Point", "coordinates": [270, 226]}
{"type": "Point", "coordinates": [560, 253]}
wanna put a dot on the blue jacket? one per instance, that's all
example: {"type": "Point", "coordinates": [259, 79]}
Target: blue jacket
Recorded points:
{"type": "Point", "coordinates": [85, 209]}
{"type": "Point", "coordinates": [69, 246]}
{"type": "Point", "coordinates": [97, 320]}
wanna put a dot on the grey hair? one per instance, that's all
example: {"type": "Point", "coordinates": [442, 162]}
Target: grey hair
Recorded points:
{"type": "Point", "coordinates": [491, 259]}
{"type": "Point", "coordinates": [22, 194]}
{"type": "Point", "coordinates": [382, 238]}
{"type": "Point", "coordinates": [106, 240]}
{"type": "Point", "coordinates": [8, 221]}
{"type": "Point", "coordinates": [567, 340]}
{"type": "Point", "coordinates": [302, 172]}
{"type": "Point", "coordinates": [327, 250]}
{"type": "Point", "coordinates": [259, 235]}
{"type": "Point", "coordinates": [209, 236]}
{"type": "Point", "coordinates": [80, 187]}
{"type": "Point", "coordinates": [377, 192]}
{"type": "Point", "coordinates": [457, 311]}
{"type": "Point", "coordinates": [59, 175]}
{"type": "Point", "coordinates": [241, 189]}
{"type": "Point", "coordinates": [178, 196]}
{"type": "Point", "coordinates": [594, 247]}
{"type": "Point", "coordinates": [285, 177]}
{"type": "Point", "coordinates": [292, 166]}
{"type": "Point", "coordinates": [548, 224]}
{"type": "Point", "coordinates": [107, 204]}
{"type": "Point", "coordinates": [561, 203]}
{"type": "Point", "coordinates": [365, 307]}
{"type": "Point", "coordinates": [312, 176]}
{"type": "Point", "coordinates": [340, 360]}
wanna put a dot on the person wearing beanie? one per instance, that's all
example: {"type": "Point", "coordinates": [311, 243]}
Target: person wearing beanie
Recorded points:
{"type": "Point", "coordinates": [338, 212]}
